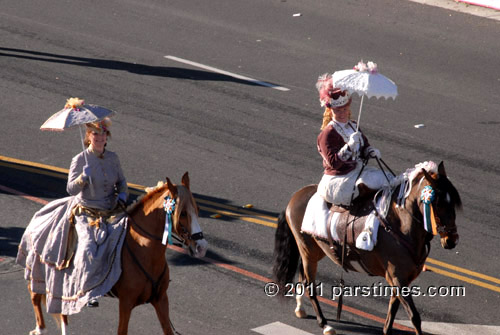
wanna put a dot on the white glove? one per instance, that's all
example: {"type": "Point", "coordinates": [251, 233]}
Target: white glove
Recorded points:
{"type": "Point", "coordinates": [354, 141]}
{"type": "Point", "coordinates": [87, 171]}
{"type": "Point", "coordinates": [345, 153]}
{"type": "Point", "coordinates": [374, 153]}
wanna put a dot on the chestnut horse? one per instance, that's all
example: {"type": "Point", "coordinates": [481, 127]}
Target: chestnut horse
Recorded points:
{"type": "Point", "coordinates": [145, 274]}
{"type": "Point", "coordinates": [398, 256]}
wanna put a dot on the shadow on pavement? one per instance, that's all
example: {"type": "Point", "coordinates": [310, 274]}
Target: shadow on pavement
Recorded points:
{"type": "Point", "coordinates": [140, 69]}
{"type": "Point", "coordinates": [49, 185]}
{"type": "Point", "coordinates": [9, 240]}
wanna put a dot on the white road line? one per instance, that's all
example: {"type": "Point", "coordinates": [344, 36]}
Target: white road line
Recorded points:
{"type": "Point", "coordinates": [442, 328]}
{"type": "Point", "coordinates": [234, 75]}
{"type": "Point", "coordinates": [278, 328]}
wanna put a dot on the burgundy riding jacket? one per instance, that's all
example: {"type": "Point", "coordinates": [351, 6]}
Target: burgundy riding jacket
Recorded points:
{"type": "Point", "coordinates": [329, 143]}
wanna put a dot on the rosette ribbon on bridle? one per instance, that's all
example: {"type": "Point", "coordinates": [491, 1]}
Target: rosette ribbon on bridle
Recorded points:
{"type": "Point", "coordinates": [169, 207]}
{"type": "Point", "coordinates": [427, 196]}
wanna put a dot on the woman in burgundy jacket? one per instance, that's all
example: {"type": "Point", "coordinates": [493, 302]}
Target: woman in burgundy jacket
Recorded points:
{"type": "Point", "coordinates": [343, 148]}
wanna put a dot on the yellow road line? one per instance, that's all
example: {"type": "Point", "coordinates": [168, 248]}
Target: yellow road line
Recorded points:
{"type": "Point", "coordinates": [463, 278]}
{"type": "Point", "coordinates": [459, 269]}
{"type": "Point", "coordinates": [265, 217]}
{"type": "Point", "coordinates": [33, 164]}
{"type": "Point", "coordinates": [239, 216]}
{"type": "Point", "coordinates": [136, 189]}
{"type": "Point", "coordinates": [248, 216]}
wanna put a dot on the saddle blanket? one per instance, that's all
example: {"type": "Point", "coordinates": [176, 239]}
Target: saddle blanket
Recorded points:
{"type": "Point", "coordinates": [316, 218]}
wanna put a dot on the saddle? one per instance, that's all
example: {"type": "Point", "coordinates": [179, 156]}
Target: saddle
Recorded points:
{"type": "Point", "coordinates": [350, 224]}
{"type": "Point", "coordinates": [351, 221]}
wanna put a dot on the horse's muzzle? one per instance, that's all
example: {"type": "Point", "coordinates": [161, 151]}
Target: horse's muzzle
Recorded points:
{"type": "Point", "coordinates": [450, 242]}
{"type": "Point", "coordinates": [199, 248]}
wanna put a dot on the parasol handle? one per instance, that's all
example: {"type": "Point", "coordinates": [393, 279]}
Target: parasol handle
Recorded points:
{"type": "Point", "coordinates": [360, 109]}
{"type": "Point", "coordinates": [86, 161]}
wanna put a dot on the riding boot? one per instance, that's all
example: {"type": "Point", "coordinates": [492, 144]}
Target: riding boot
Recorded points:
{"type": "Point", "coordinates": [93, 303]}
{"type": "Point", "coordinates": [336, 250]}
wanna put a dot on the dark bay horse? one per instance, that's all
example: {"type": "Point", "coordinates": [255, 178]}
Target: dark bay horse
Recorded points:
{"type": "Point", "coordinates": [145, 274]}
{"type": "Point", "coordinates": [398, 256]}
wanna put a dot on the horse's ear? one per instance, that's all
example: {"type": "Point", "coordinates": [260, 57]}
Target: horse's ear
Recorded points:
{"type": "Point", "coordinates": [441, 170]}
{"type": "Point", "coordinates": [429, 178]}
{"type": "Point", "coordinates": [185, 180]}
{"type": "Point", "coordinates": [172, 188]}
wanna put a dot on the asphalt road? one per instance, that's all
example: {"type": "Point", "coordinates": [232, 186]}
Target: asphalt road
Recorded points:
{"type": "Point", "coordinates": [244, 143]}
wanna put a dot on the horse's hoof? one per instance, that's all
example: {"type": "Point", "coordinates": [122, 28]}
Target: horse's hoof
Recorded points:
{"type": "Point", "coordinates": [38, 331]}
{"type": "Point", "coordinates": [327, 330]}
{"type": "Point", "coordinates": [300, 313]}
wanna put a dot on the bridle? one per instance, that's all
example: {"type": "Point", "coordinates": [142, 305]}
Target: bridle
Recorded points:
{"type": "Point", "coordinates": [184, 237]}
{"type": "Point", "coordinates": [429, 214]}
{"type": "Point", "coordinates": [429, 197]}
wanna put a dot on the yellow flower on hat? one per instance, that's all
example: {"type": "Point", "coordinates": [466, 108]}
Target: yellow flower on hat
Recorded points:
{"type": "Point", "coordinates": [74, 103]}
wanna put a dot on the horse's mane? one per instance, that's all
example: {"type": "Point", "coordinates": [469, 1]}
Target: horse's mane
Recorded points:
{"type": "Point", "coordinates": [150, 193]}
{"type": "Point", "coordinates": [415, 172]}
{"type": "Point", "coordinates": [159, 189]}
{"type": "Point", "coordinates": [407, 180]}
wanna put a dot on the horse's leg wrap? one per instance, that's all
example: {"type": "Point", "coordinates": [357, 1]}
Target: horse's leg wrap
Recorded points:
{"type": "Point", "coordinates": [64, 328]}
{"type": "Point", "coordinates": [327, 330]}
{"type": "Point", "coordinates": [38, 331]}
{"type": "Point", "coordinates": [300, 312]}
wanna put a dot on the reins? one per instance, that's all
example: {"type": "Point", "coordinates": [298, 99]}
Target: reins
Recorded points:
{"type": "Point", "coordinates": [148, 234]}
{"type": "Point", "coordinates": [396, 234]}
{"type": "Point", "coordinates": [387, 167]}
{"type": "Point", "coordinates": [154, 283]}
{"type": "Point", "coordinates": [365, 162]}
{"type": "Point", "coordinates": [387, 227]}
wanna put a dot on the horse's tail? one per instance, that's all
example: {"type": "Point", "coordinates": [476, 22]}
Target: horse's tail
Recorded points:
{"type": "Point", "coordinates": [286, 254]}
